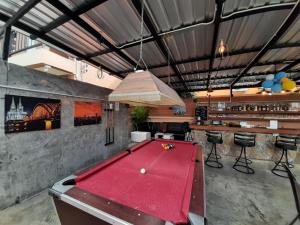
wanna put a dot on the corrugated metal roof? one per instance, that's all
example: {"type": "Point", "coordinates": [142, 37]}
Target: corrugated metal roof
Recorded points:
{"type": "Point", "coordinates": [234, 60]}
{"type": "Point", "coordinates": [119, 22]}
{"type": "Point", "coordinates": [285, 54]}
{"type": "Point", "coordinates": [293, 33]}
{"type": "Point", "coordinates": [10, 7]}
{"type": "Point", "coordinates": [190, 43]}
{"type": "Point", "coordinates": [296, 67]}
{"type": "Point", "coordinates": [42, 14]}
{"type": "Point", "coordinates": [263, 69]}
{"type": "Point", "coordinates": [251, 31]}
{"type": "Point", "coordinates": [194, 66]}
{"type": "Point", "coordinates": [195, 76]}
{"type": "Point", "coordinates": [151, 54]}
{"type": "Point", "coordinates": [173, 14]}
{"type": "Point", "coordinates": [224, 73]}
{"type": "Point", "coordinates": [76, 37]}
{"type": "Point", "coordinates": [113, 61]}
{"type": "Point", "coordinates": [166, 70]}
{"type": "Point", "coordinates": [231, 6]}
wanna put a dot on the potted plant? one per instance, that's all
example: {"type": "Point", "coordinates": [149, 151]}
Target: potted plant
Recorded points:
{"type": "Point", "coordinates": [139, 115]}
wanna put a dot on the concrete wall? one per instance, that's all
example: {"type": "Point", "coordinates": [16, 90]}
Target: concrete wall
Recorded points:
{"type": "Point", "coordinates": [32, 161]}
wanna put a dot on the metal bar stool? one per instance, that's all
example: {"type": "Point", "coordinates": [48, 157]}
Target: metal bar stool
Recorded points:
{"type": "Point", "coordinates": [215, 138]}
{"type": "Point", "coordinates": [242, 162]}
{"type": "Point", "coordinates": [285, 143]}
{"type": "Point", "coordinates": [296, 191]}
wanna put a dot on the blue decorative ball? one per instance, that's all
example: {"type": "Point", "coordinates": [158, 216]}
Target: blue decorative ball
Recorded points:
{"type": "Point", "coordinates": [276, 88]}
{"type": "Point", "coordinates": [280, 75]}
{"type": "Point", "coordinates": [267, 84]}
{"type": "Point", "coordinates": [276, 81]}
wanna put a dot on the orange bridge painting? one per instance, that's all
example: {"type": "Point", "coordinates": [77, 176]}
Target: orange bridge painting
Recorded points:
{"type": "Point", "coordinates": [30, 114]}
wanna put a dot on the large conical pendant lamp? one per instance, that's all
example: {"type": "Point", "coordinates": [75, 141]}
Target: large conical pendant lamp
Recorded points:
{"type": "Point", "coordinates": [144, 88]}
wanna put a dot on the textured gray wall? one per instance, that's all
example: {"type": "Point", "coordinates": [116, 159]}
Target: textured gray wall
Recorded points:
{"type": "Point", "coordinates": [32, 161]}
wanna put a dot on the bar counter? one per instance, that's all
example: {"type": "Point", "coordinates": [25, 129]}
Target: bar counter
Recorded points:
{"type": "Point", "coordinates": [265, 139]}
{"type": "Point", "coordinates": [283, 131]}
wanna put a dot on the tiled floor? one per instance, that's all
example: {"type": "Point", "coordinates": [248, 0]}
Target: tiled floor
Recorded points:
{"type": "Point", "coordinates": [232, 199]}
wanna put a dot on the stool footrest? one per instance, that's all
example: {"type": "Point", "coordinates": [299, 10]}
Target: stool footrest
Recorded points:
{"type": "Point", "coordinates": [214, 164]}
{"type": "Point", "coordinates": [243, 160]}
{"type": "Point", "coordinates": [278, 172]}
{"type": "Point", "coordinates": [212, 159]}
{"type": "Point", "coordinates": [248, 170]}
{"type": "Point", "coordinates": [279, 169]}
{"type": "Point", "coordinates": [242, 163]}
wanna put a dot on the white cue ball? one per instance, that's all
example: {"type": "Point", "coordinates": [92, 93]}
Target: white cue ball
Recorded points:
{"type": "Point", "coordinates": [143, 171]}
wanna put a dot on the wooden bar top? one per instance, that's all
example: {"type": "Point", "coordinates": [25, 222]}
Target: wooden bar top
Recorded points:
{"type": "Point", "coordinates": [248, 130]}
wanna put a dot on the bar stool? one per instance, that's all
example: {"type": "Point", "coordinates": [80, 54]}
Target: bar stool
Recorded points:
{"type": "Point", "coordinates": [213, 158]}
{"type": "Point", "coordinates": [285, 143]}
{"type": "Point", "coordinates": [242, 162]}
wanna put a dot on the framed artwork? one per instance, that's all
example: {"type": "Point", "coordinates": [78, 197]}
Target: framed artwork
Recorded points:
{"type": "Point", "coordinates": [30, 114]}
{"type": "Point", "coordinates": [87, 113]}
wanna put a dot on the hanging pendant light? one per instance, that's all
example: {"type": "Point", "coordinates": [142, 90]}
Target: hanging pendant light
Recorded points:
{"type": "Point", "coordinates": [222, 48]}
{"type": "Point", "coordinates": [144, 88]}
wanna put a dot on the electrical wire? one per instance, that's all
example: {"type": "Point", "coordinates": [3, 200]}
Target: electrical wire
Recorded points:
{"type": "Point", "coordinates": [141, 41]}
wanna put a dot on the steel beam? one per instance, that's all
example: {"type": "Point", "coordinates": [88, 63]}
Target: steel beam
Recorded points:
{"type": "Point", "coordinates": [258, 10]}
{"type": "Point", "coordinates": [56, 43]}
{"type": "Point", "coordinates": [278, 34]}
{"type": "Point", "coordinates": [84, 25]}
{"type": "Point", "coordinates": [219, 88]}
{"type": "Point", "coordinates": [20, 13]}
{"type": "Point", "coordinates": [83, 8]}
{"type": "Point", "coordinates": [235, 15]}
{"type": "Point", "coordinates": [224, 68]}
{"type": "Point", "coordinates": [250, 81]}
{"type": "Point", "coordinates": [231, 77]}
{"type": "Point", "coordinates": [219, 5]}
{"type": "Point", "coordinates": [150, 25]}
{"type": "Point", "coordinates": [250, 75]}
{"type": "Point", "coordinates": [6, 43]}
{"type": "Point", "coordinates": [291, 65]}
{"type": "Point", "coordinates": [232, 53]}
{"type": "Point", "coordinates": [297, 77]}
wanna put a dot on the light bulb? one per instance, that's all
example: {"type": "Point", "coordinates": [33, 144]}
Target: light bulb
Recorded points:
{"type": "Point", "coordinates": [221, 47]}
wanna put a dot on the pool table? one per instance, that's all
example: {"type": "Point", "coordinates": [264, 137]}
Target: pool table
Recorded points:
{"type": "Point", "coordinates": [117, 191]}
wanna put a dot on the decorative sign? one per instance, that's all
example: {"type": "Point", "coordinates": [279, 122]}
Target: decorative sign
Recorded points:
{"type": "Point", "coordinates": [87, 113]}
{"type": "Point", "coordinates": [30, 114]}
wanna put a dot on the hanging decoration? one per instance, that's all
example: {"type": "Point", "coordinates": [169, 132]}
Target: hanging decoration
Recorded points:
{"type": "Point", "coordinates": [278, 82]}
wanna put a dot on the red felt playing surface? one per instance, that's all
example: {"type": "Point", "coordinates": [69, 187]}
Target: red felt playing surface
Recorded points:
{"type": "Point", "coordinates": [164, 191]}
